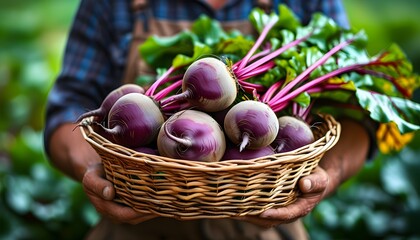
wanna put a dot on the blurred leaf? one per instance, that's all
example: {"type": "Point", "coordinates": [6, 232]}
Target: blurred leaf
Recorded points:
{"type": "Point", "coordinates": [233, 47]}
{"type": "Point", "coordinates": [393, 66]}
{"type": "Point", "coordinates": [158, 52]}
{"type": "Point", "coordinates": [199, 50]}
{"type": "Point", "coordinates": [208, 31]}
{"type": "Point", "coordinates": [395, 179]}
{"type": "Point", "coordinates": [404, 113]}
{"type": "Point", "coordinates": [259, 19]}
{"type": "Point", "coordinates": [378, 222]}
{"type": "Point", "coordinates": [287, 18]}
{"type": "Point", "coordinates": [303, 99]}
{"type": "Point", "coordinates": [324, 28]}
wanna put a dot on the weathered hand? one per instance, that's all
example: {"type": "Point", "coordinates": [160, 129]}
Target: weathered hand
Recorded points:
{"type": "Point", "coordinates": [337, 165]}
{"type": "Point", "coordinates": [101, 193]}
{"type": "Point", "coordinates": [313, 188]}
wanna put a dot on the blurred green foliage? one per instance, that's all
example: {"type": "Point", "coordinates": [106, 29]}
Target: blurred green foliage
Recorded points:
{"type": "Point", "coordinates": [381, 202]}
{"type": "Point", "coordinates": [387, 22]}
{"type": "Point", "coordinates": [38, 202]}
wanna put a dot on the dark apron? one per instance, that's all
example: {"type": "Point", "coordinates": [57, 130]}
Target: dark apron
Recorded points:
{"type": "Point", "coordinates": [168, 228]}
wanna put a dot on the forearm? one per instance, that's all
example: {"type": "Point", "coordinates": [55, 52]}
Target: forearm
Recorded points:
{"type": "Point", "coordinates": [348, 156]}
{"type": "Point", "coordinates": [88, 74]}
{"type": "Point", "coordinates": [70, 153]}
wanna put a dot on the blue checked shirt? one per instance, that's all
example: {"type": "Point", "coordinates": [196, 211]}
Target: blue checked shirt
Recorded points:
{"type": "Point", "coordinates": [100, 36]}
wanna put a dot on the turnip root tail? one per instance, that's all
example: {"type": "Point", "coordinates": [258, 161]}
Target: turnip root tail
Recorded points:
{"type": "Point", "coordinates": [98, 115]}
{"type": "Point", "coordinates": [191, 135]}
{"type": "Point", "coordinates": [251, 124]}
{"type": "Point", "coordinates": [101, 113]}
{"type": "Point", "coordinates": [183, 141]}
{"type": "Point", "coordinates": [244, 142]}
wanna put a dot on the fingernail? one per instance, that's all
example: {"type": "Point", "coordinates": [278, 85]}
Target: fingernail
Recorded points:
{"type": "Point", "coordinates": [267, 213]}
{"type": "Point", "coordinates": [307, 184]}
{"type": "Point", "coordinates": [106, 193]}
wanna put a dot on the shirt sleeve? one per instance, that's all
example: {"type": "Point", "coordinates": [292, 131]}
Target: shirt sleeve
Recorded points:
{"type": "Point", "coordinates": [91, 66]}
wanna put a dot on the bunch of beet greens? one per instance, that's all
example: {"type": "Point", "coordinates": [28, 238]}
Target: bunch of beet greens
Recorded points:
{"type": "Point", "coordinates": [223, 95]}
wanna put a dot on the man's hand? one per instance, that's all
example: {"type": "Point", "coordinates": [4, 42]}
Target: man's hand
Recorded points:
{"type": "Point", "coordinates": [101, 193]}
{"type": "Point", "coordinates": [312, 187]}
{"type": "Point", "coordinates": [75, 157]}
{"type": "Point", "coordinates": [338, 164]}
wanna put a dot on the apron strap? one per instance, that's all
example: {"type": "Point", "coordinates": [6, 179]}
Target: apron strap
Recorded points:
{"type": "Point", "coordinates": [130, 73]}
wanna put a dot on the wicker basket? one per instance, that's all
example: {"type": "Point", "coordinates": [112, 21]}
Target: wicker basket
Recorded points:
{"type": "Point", "coordinates": [185, 189]}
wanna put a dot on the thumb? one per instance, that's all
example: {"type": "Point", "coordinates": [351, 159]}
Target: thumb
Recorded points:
{"type": "Point", "coordinates": [315, 182]}
{"type": "Point", "coordinates": [94, 182]}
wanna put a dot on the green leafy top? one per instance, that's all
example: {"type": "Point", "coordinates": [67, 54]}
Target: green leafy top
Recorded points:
{"type": "Point", "coordinates": [380, 87]}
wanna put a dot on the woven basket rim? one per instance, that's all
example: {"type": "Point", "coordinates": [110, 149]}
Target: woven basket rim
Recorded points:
{"type": "Point", "coordinates": [318, 147]}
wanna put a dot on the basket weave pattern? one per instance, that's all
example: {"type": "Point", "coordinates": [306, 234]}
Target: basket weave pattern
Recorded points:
{"type": "Point", "coordinates": [192, 190]}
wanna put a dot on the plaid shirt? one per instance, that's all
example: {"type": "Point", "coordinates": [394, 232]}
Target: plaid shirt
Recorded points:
{"type": "Point", "coordinates": [100, 36]}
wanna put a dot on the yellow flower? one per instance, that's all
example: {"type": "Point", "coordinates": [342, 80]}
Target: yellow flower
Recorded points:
{"type": "Point", "coordinates": [390, 139]}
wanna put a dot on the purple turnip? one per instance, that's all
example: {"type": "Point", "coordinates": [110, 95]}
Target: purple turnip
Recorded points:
{"type": "Point", "coordinates": [208, 84]}
{"type": "Point", "coordinates": [101, 113]}
{"type": "Point", "coordinates": [232, 153]}
{"type": "Point", "coordinates": [191, 135]}
{"type": "Point", "coordinates": [252, 124]}
{"type": "Point", "coordinates": [293, 133]}
{"type": "Point", "coordinates": [134, 120]}
{"type": "Point", "coordinates": [146, 150]}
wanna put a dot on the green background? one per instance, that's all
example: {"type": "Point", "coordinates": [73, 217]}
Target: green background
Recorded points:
{"type": "Point", "coordinates": [37, 202]}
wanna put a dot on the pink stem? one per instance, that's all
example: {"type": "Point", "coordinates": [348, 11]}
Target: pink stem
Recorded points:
{"type": "Point", "coordinates": [262, 69]}
{"type": "Point", "coordinates": [271, 90]}
{"type": "Point", "coordinates": [251, 90]}
{"type": "Point", "coordinates": [269, 57]}
{"type": "Point", "coordinates": [254, 57]}
{"type": "Point", "coordinates": [279, 106]}
{"type": "Point", "coordinates": [305, 113]}
{"type": "Point", "coordinates": [401, 89]}
{"type": "Point", "coordinates": [161, 80]}
{"type": "Point", "coordinates": [310, 69]}
{"type": "Point", "coordinates": [328, 87]}
{"type": "Point", "coordinates": [305, 87]}
{"type": "Point", "coordinates": [257, 44]}
{"type": "Point", "coordinates": [255, 86]}
{"type": "Point", "coordinates": [164, 92]}
{"type": "Point", "coordinates": [295, 109]}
